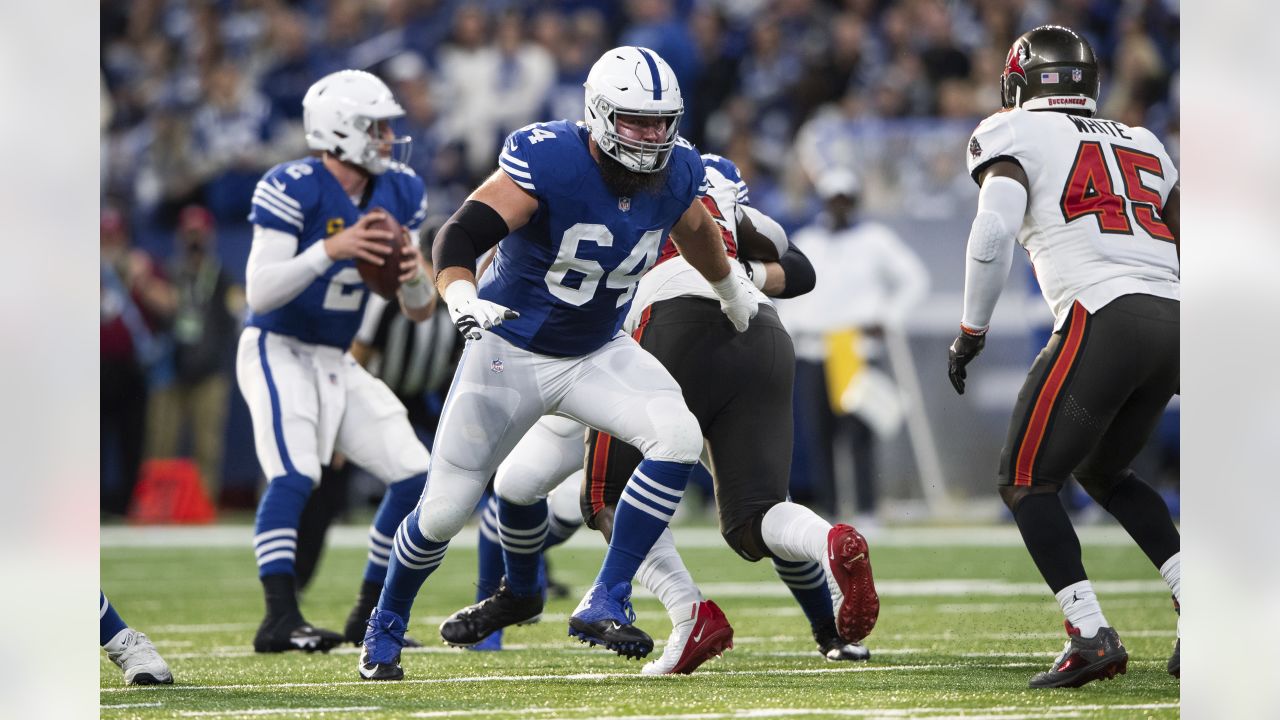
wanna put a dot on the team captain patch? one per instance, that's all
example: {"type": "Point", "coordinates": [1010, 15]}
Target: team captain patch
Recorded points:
{"type": "Point", "coordinates": [974, 148]}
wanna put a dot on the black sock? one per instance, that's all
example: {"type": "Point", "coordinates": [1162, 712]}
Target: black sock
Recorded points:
{"type": "Point", "coordinates": [367, 600]}
{"type": "Point", "coordinates": [282, 598]}
{"type": "Point", "coordinates": [1047, 532]}
{"type": "Point", "coordinates": [1145, 516]}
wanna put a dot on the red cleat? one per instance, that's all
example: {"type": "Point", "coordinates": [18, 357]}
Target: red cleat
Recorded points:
{"type": "Point", "coordinates": [705, 635]}
{"type": "Point", "coordinates": [853, 592]}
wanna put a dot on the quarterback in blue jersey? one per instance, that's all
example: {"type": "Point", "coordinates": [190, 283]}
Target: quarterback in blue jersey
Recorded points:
{"type": "Point", "coordinates": [306, 395]}
{"type": "Point", "coordinates": [578, 212]}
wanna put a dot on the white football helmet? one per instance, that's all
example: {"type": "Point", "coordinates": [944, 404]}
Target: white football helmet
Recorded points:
{"type": "Point", "coordinates": [341, 113]}
{"type": "Point", "coordinates": [633, 81]}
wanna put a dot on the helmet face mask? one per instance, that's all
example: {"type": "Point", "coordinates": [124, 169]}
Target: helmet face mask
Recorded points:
{"type": "Point", "coordinates": [346, 114]}
{"type": "Point", "coordinates": [630, 82]}
{"type": "Point", "coordinates": [1050, 68]}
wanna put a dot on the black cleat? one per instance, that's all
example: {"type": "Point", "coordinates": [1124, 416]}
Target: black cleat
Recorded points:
{"type": "Point", "coordinates": [1175, 661]}
{"type": "Point", "coordinates": [834, 648]}
{"type": "Point", "coordinates": [604, 617]}
{"type": "Point", "coordinates": [292, 632]}
{"type": "Point", "coordinates": [474, 623]}
{"type": "Point", "coordinates": [1100, 657]}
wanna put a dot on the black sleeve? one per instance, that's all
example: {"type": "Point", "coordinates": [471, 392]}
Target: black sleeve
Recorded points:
{"type": "Point", "coordinates": [800, 277]}
{"type": "Point", "coordinates": [467, 235]}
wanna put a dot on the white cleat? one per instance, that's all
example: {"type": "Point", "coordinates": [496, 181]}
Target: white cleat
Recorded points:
{"type": "Point", "coordinates": [704, 635]}
{"type": "Point", "coordinates": [138, 658]}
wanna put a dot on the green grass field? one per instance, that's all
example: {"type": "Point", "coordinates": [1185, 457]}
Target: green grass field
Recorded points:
{"type": "Point", "coordinates": [965, 621]}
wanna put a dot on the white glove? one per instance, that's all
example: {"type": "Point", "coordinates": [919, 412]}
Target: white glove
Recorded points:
{"type": "Point", "coordinates": [470, 313]}
{"type": "Point", "coordinates": [737, 299]}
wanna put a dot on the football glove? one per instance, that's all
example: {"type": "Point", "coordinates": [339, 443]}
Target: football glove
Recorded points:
{"type": "Point", "coordinates": [967, 345]}
{"type": "Point", "coordinates": [471, 314]}
{"type": "Point", "coordinates": [737, 300]}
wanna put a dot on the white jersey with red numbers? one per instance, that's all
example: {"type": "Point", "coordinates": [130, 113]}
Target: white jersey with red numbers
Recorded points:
{"type": "Point", "coordinates": [673, 276]}
{"type": "Point", "coordinates": [1092, 228]}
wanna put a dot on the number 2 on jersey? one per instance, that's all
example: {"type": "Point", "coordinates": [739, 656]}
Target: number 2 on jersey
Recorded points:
{"type": "Point", "coordinates": [1090, 191]}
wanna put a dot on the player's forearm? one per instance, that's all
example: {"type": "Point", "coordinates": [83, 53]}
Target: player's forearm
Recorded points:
{"type": "Point", "coordinates": [452, 274]}
{"type": "Point", "coordinates": [275, 275]}
{"type": "Point", "coordinates": [1001, 205]}
{"type": "Point", "coordinates": [704, 250]}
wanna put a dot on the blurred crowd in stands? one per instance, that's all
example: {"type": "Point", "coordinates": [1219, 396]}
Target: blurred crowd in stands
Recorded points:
{"type": "Point", "coordinates": [199, 97]}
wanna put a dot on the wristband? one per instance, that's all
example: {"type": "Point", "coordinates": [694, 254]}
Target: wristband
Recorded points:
{"type": "Point", "coordinates": [417, 293]}
{"type": "Point", "coordinates": [757, 272]}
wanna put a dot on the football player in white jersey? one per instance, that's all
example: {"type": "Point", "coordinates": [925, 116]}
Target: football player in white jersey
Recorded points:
{"type": "Point", "coordinates": [307, 396]}
{"type": "Point", "coordinates": [577, 212]}
{"type": "Point", "coordinates": [746, 417]}
{"type": "Point", "coordinates": [1095, 204]}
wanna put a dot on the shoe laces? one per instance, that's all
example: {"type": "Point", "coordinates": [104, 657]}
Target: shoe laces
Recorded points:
{"type": "Point", "coordinates": [624, 602]}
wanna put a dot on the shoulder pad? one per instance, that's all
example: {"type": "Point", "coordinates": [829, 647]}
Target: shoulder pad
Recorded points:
{"type": "Point", "coordinates": [992, 140]}
{"type": "Point", "coordinates": [536, 154]}
{"type": "Point", "coordinates": [283, 196]}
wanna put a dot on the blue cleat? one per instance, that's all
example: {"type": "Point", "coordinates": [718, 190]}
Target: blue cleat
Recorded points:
{"type": "Point", "coordinates": [605, 617]}
{"type": "Point", "coordinates": [383, 639]}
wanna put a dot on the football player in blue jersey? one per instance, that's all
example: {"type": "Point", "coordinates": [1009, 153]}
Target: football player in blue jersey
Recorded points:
{"type": "Point", "coordinates": [577, 211]}
{"type": "Point", "coordinates": [747, 420]}
{"type": "Point", "coordinates": [307, 396]}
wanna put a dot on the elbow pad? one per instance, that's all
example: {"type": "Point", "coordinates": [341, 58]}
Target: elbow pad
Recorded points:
{"type": "Point", "coordinates": [468, 234]}
{"type": "Point", "coordinates": [799, 276]}
{"type": "Point", "coordinates": [1001, 205]}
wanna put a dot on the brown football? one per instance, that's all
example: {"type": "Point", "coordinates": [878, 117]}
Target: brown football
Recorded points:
{"type": "Point", "coordinates": [384, 279]}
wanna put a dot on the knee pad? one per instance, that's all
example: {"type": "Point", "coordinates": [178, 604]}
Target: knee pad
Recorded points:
{"type": "Point", "coordinates": [747, 539]}
{"type": "Point", "coordinates": [440, 518]}
{"type": "Point", "coordinates": [521, 484]}
{"type": "Point", "coordinates": [1013, 495]}
{"type": "Point", "coordinates": [1102, 487]}
{"type": "Point", "coordinates": [679, 438]}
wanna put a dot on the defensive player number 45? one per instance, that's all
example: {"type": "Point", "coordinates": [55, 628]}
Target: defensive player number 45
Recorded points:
{"type": "Point", "coordinates": [624, 277]}
{"type": "Point", "coordinates": [1090, 191]}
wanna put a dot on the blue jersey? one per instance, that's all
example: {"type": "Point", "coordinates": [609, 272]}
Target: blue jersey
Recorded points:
{"type": "Point", "coordinates": [572, 270]}
{"type": "Point", "coordinates": [304, 199]}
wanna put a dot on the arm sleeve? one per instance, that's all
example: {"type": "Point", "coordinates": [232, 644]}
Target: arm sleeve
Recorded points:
{"type": "Point", "coordinates": [275, 275]}
{"type": "Point", "coordinates": [467, 236]}
{"type": "Point", "coordinates": [800, 277]}
{"type": "Point", "coordinates": [1002, 202]}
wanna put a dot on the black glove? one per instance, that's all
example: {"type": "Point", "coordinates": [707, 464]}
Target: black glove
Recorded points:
{"type": "Point", "coordinates": [964, 348]}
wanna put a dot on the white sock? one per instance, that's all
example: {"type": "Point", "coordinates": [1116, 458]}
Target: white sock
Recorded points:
{"type": "Point", "coordinates": [663, 573]}
{"type": "Point", "coordinates": [1080, 605]}
{"type": "Point", "coordinates": [116, 643]}
{"type": "Point", "coordinates": [1171, 571]}
{"type": "Point", "coordinates": [794, 532]}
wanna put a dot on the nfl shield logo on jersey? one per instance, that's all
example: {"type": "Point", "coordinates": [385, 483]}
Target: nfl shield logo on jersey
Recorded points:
{"type": "Point", "coordinates": [974, 148]}
{"type": "Point", "coordinates": [624, 204]}
{"type": "Point", "coordinates": [496, 366]}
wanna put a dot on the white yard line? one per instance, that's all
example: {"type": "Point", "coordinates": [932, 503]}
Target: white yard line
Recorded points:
{"type": "Point", "coordinates": [276, 711]}
{"type": "Point", "coordinates": [129, 705]}
{"type": "Point", "coordinates": [571, 677]}
{"type": "Point", "coordinates": [347, 536]}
